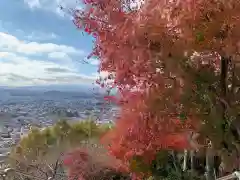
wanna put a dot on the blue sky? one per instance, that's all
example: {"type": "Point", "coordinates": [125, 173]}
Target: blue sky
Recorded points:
{"type": "Point", "coordinates": [39, 45]}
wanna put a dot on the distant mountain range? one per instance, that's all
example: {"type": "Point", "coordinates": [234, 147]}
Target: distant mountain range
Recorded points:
{"type": "Point", "coordinates": [74, 91]}
{"type": "Point", "coordinates": [62, 88]}
{"type": "Point", "coordinates": [53, 87]}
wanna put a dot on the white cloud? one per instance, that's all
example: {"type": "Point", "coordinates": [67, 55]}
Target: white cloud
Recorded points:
{"type": "Point", "coordinates": [92, 61]}
{"type": "Point", "coordinates": [33, 3]}
{"type": "Point", "coordinates": [19, 68]}
{"type": "Point", "coordinates": [52, 5]}
{"type": "Point", "coordinates": [11, 43]}
{"type": "Point", "coordinates": [102, 74]}
{"type": "Point", "coordinates": [20, 71]}
{"type": "Point", "coordinates": [59, 56]}
{"type": "Point", "coordinates": [4, 54]}
{"type": "Point", "coordinates": [28, 35]}
{"type": "Point", "coordinates": [41, 36]}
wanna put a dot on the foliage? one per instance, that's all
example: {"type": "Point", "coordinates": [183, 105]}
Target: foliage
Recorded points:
{"type": "Point", "coordinates": [42, 149]}
{"type": "Point", "coordinates": [91, 161]}
{"type": "Point", "coordinates": [166, 165]}
{"type": "Point", "coordinates": [165, 60]}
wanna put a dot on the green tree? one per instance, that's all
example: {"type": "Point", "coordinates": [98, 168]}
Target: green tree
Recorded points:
{"type": "Point", "coordinates": [41, 151]}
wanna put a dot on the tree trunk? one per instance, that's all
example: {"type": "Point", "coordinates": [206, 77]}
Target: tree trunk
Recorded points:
{"type": "Point", "coordinates": [185, 160]}
{"type": "Point", "coordinates": [192, 161]}
{"type": "Point", "coordinates": [209, 164]}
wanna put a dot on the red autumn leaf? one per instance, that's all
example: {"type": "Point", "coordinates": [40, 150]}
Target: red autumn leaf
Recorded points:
{"type": "Point", "coordinates": [145, 50]}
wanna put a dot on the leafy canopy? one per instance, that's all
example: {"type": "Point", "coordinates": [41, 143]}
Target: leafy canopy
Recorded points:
{"type": "Point", "coordinates": [165, 60]}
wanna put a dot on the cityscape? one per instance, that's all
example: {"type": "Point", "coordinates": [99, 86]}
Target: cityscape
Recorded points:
{"type": "Point", "coordinates": [22, 109]}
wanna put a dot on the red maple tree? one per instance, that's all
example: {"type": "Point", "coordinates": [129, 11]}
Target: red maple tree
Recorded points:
{"type": "Point", "coordinates": [144, 50]}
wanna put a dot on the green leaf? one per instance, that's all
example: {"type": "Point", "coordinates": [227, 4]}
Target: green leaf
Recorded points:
{"type": "Point", "coordinates": [200, 37]}
{"type": "Point", "coordinates": [182, 116]}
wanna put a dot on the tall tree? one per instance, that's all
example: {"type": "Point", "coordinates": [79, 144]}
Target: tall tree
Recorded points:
{"type": "Point", "coordinates": [168, 60]}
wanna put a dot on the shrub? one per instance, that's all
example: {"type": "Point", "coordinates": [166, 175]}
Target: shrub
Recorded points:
{"type": "Point", "coordinates": [42, 149]}
{"type": "Point", "coordinates": [92, 161]}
